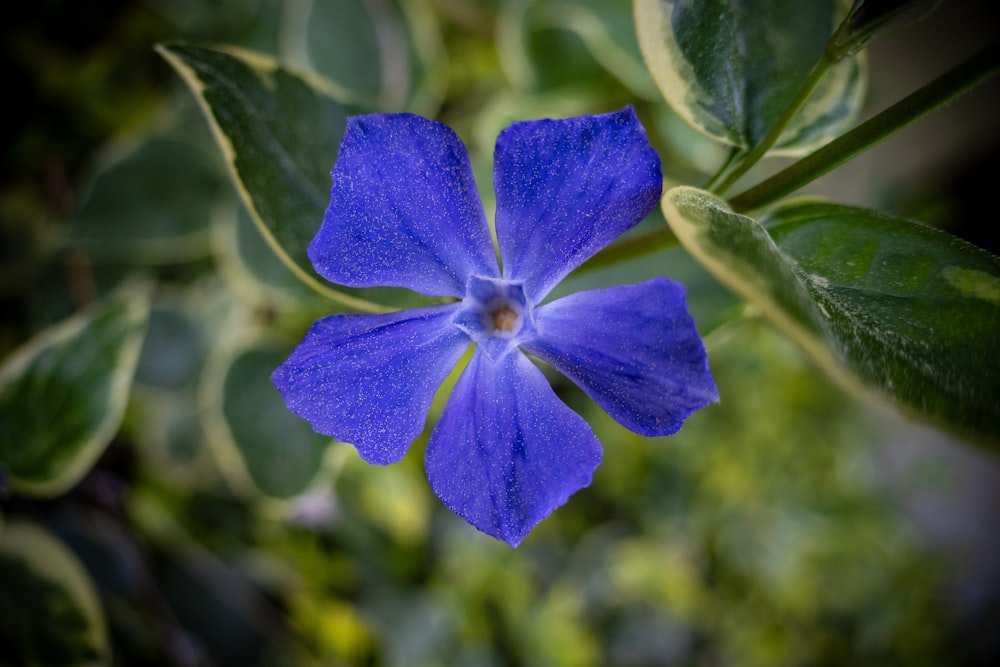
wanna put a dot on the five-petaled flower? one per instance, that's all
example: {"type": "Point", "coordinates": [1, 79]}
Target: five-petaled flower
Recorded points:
{"type": "Point", "coordinates": [404, 212]}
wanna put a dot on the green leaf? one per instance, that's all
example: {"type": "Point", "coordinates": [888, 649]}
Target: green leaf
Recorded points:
{"type": "Point", "coordinates": [731, 67]}
{"type": "Point", "coordinates": [49, 611]}
{"type": "Point", "coordinates": [173, 350]}
{"type": "Point", "coordinates": [342, 44]}
{"type": "Point", "coordinates": [63, 395]}
{"type": "Point", "coordinates": [254, 258]}
{"type": "Point", "coordinates": [879, 302]}
{"type": "Point", "coordinates": [279, 132]}
{"type": "Point", "coordinates": [258, 438]}
{"type": "Point", "coordinates": [132, 213]}
{"type": "Point", "coordinates": [389, 53]}
{"type": "Point", "coordinates": [534, 53]}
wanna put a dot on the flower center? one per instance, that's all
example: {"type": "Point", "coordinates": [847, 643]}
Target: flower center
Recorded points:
{"type": "Point", "coordinates": [495, 314]}
{"type": "Point", "coordinates": [504, 319]}
{"type": "Point", "coordinates": [502, 315]}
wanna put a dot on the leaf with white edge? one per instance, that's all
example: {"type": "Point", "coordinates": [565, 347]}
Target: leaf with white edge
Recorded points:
{"type": "Point", "coordinates": [731, 67]}
{"type": "Point", "coordinates": [342, 43]}
{"type": "Point", "coordinates": [64, 393]}
{"type": "Point", "coordinates": [877, 301]}
{"type": "Point", "coordinates": [257, 439]}
{"type": "Point", "coordinates": [280, 132]}
{"type": "Point", "coordinates": [250, 267]}
{"type": "Point", "coordinates": [49, 610]}
{"type": "Point", "coordinates": [389, 52]}
{"type": "Point", "coordinates": [829, 111]}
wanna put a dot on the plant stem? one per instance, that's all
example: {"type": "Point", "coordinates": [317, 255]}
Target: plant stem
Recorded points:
{"type": "Point", "coordinates": [915, 106]}
{"type": "Point", "coordinates": [637, 246]}
{"type": "Point", "coordinates": [734, 153]}
{"type": "Point", "coordinates": [758, 151]}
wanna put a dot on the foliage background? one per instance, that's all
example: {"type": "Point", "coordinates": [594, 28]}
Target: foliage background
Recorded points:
{"type": "Point", "coordinates": [789, 525]}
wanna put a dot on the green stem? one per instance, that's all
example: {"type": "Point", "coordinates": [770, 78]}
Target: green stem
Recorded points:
{"type": "Point", "coordinates": [637, 246]}
{"type": "Point", "coordinates": [915, 106]}
{"type": "Point", "coordinates": [734, 153]}
{"type": "Point", "coordinates": [758, 151]}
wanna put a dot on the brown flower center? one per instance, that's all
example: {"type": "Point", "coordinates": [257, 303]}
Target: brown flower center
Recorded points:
{"type": "Point", "coordinates": [504, 319]}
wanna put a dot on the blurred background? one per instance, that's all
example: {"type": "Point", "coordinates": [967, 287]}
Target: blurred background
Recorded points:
{"type": "Point", "coordinates": [791, 524]}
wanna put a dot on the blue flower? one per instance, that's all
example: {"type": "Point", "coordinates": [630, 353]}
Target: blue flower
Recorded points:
{"type": "Point", "coordinates": [404, 212]}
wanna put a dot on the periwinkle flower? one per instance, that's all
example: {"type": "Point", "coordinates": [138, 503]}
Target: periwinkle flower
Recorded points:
{"type": "Point", "coordinates": [404, 212]}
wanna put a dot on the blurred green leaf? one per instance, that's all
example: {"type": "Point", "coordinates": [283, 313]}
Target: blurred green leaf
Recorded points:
{"type": "Point", "coordinates": [49, 611]}
{"type": "Point", "coordinates": [731, 67]}
{"type": "Point", "coordinates": [342, 42]}
{"type": "Point", "coordinates": [133, 212]}
{"type": "Point", "coordinates": [279, 132]}
{"type": "Point", "coordinates": [63, 394]}
{"type": "Point", "coordinates": [534, 53]}
{"type": "Point", "coordinates": [172, 352]}
{"type": "Point", "coordinates": [389, 53]}
{"type": "Point", "coordinates": [909, 310]}
{"type": "Point", "coordinates": [258, 437]}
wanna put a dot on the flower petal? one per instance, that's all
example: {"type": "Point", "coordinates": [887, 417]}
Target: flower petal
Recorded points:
{"type": "Point", "coordinates": [634, 349]}
{"type": "Point", "coordinates": [506, 451]}
{"type": "Point", "coordinates": [404, 210]}
{"type": "Point", "coordinates": [369, 379]}
{"type": "Point", "coordinates": [567, 188]}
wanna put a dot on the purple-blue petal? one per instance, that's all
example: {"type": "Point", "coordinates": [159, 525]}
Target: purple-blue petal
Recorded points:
{"type": "Point", "coordinates": [506, 451]}
{"type": "Point", "coordinates": [404, 210]}
{"type": "Point", "coordinates": [369, 379]}
{"type": "Point", "coordinates": [634, 349]}
{"type": "Point", "coordinates": [567, 188]}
